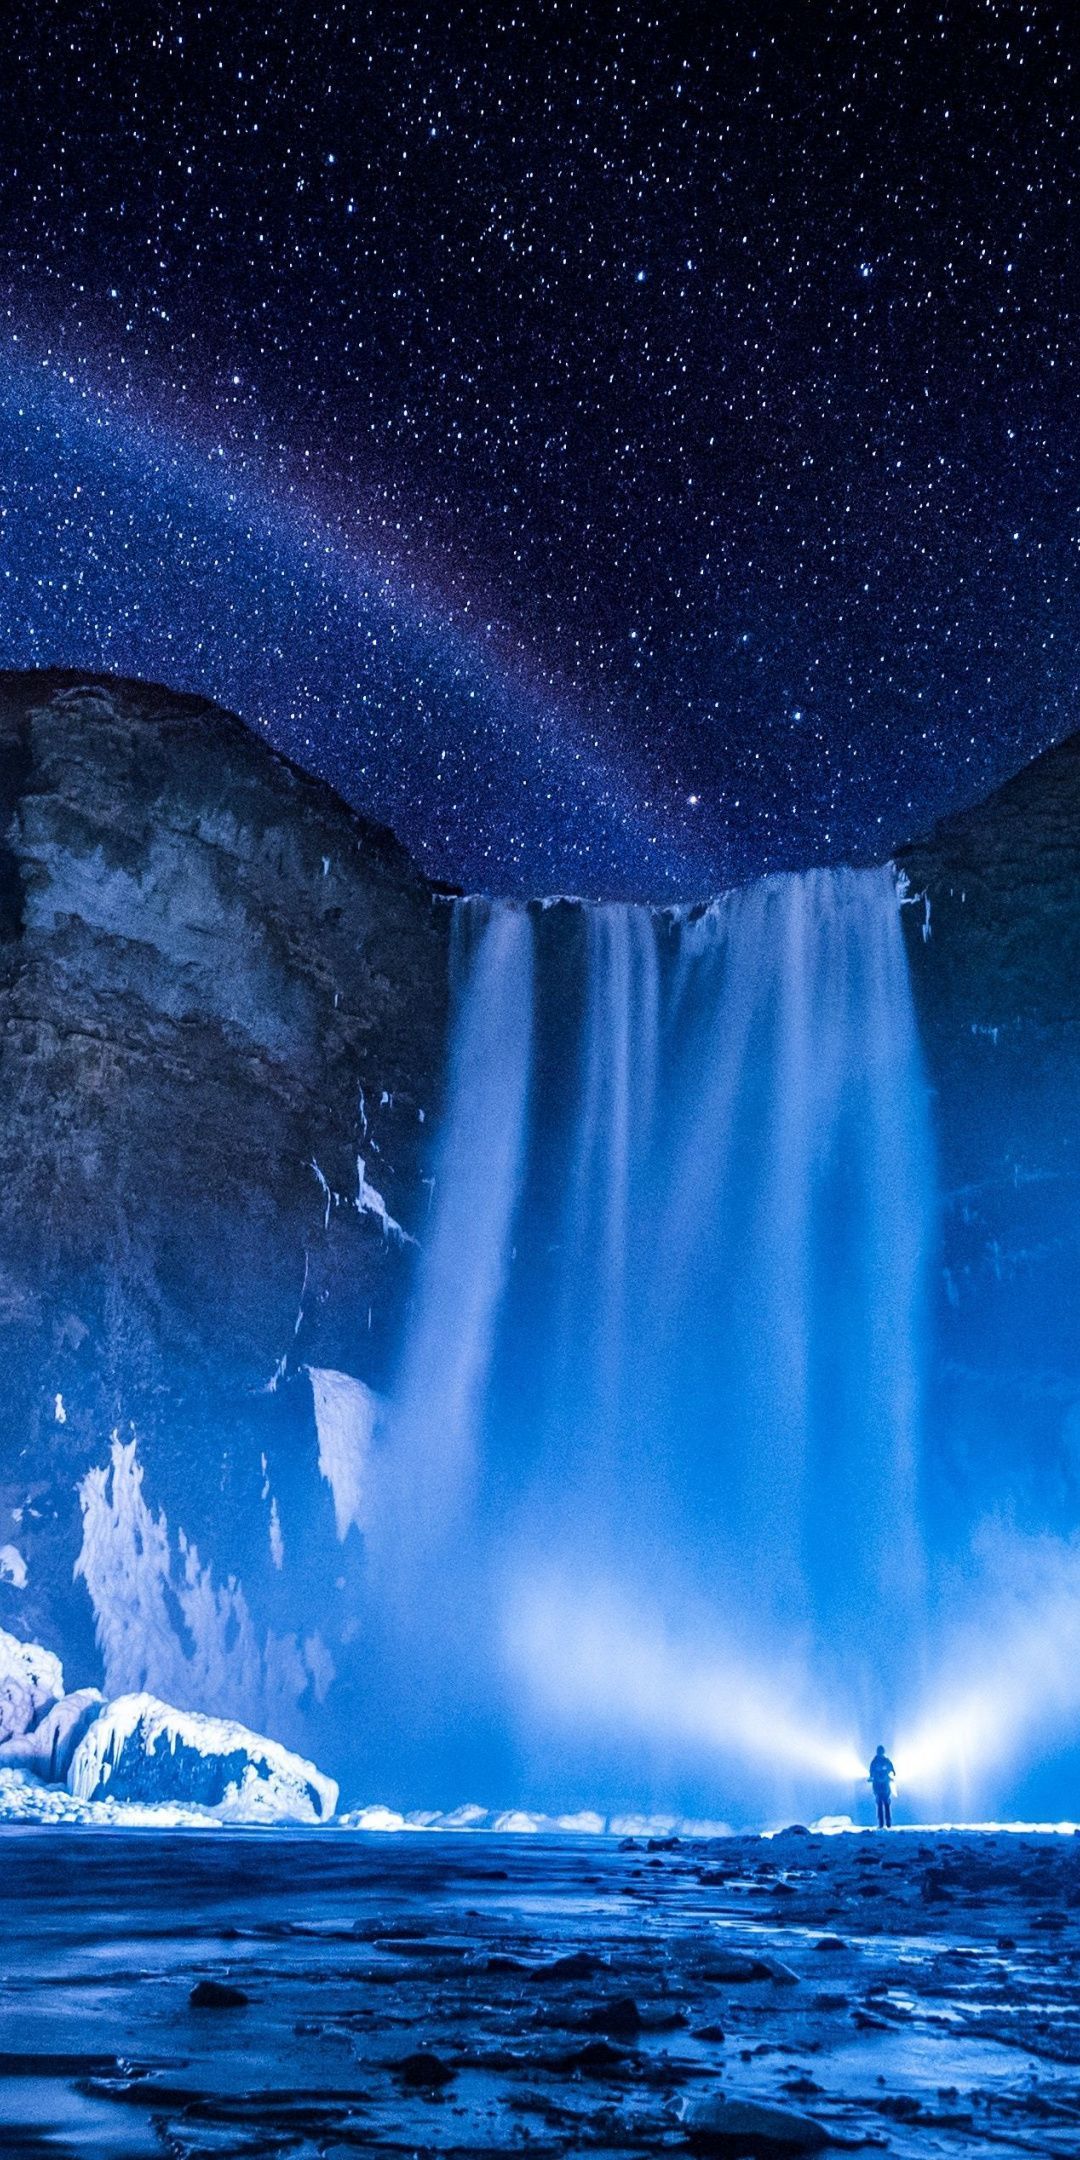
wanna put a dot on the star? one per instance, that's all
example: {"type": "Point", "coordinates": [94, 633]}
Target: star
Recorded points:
{"type": "Point", "coordinates": [497, 341]}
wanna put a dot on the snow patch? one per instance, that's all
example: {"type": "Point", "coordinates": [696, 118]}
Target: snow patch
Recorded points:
{"type": "Point", "coordinates": [371, 1202]}
{"type": "Point", "coordinates": [12, 1567]}
{"type": "Point", "coordinates": [346, 1415]}
{"type": "Point", "coordinates": [329, 1197]}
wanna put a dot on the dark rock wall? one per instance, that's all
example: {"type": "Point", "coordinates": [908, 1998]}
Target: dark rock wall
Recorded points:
{"type": "Point", "coordinates": [994, 942]}
{"type": "Point", "coordinates": [213, 976]}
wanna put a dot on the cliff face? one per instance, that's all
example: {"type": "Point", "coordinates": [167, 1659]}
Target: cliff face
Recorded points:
{"type": "Point", "coordinates": [222, 1039]}
{"type": "Point", "coordinates": [222, 1019]}
{"type": "Point", "coordinates": [994, 943]}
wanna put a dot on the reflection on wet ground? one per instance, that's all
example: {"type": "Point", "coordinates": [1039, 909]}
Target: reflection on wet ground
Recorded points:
{"type": "Point", "coordinates": [484, 1996]}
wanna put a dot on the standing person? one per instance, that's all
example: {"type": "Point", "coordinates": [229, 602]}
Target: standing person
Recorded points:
{"type": "Point", "coordinates": [881, 1779]}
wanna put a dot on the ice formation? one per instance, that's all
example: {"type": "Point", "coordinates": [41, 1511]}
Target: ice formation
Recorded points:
{"type": "Point", "coordinates": [46, 1749]}
{"type": "Point", "coordinates": [30, 1679]}
{"type": "Point", "coordinates": [142, 1750]}
{"type": "Point", "coordinates": [345, 1417]}
{"type": "Point", "coordinates": [527, 1822]}
{"type": "Point", "coordinates": [24, 1799]}
{"type": "Point", "coordinates": [137, 1580]}
{"type": "Point", "coordinates": [137, 1758]}
{"type": "Point", "coordinates": [370, 1201]}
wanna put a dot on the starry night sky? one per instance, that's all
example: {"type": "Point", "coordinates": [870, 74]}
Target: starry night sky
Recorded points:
{"type": "Point", "coordinates": [626, 451]}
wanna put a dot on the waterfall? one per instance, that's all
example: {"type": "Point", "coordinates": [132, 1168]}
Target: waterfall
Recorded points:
{"type": "Point", "coordinates": [786, 1276]}
{"type": "Point", "coordinates": [667, 1340]}
{"type": "Point", "coordinates": [438, 1400]}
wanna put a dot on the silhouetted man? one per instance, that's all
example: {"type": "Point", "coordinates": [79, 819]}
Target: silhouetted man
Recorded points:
{"type": "Point", "coordinates": [881, 1777]}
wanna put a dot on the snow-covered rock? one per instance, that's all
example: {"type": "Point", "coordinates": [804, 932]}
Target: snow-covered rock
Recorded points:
{"type": "Point", "coordinates": [25, 1799]}
{"type": "Point", "coordinates": [516, 1822]}
{"type": "Point", "coordinates": [469, 1816]}
{"type": "Point", "coordinates": [47, 1749]}
{"type": "Point", "coordinates": [30, 1679]}
{"type": "Point", "coordinates": [139, 1749]}
{"type": "Point", "coordinates": [376, 1817]}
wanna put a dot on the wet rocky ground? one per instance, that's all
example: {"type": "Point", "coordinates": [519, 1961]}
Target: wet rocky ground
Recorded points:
{"type": "Point", "coordinates": [330, 1993]}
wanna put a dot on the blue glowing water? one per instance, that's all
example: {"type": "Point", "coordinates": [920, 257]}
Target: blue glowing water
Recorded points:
{"type": "Point", "coordinates": [653, 1476]}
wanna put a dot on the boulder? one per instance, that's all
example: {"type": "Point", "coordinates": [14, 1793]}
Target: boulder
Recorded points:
{"type": "Point", "coordinates": [738, 1966]}
{"type": "Point", "coordinates": [748, 2127]}
{"type": "Point", "coordinates": [217, 1995]}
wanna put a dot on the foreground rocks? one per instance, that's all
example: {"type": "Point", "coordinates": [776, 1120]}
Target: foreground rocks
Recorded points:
{"type": "Point", "coordinates": [434, 1994]}
{"type": "Point", "coordinates": [739, 2127]}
